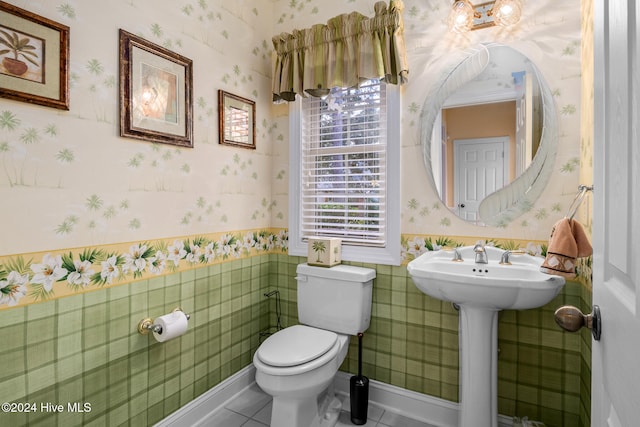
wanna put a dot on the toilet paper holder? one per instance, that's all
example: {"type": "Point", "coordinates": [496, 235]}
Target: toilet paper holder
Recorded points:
{"type": "Point", "coordinates": [146, 325]}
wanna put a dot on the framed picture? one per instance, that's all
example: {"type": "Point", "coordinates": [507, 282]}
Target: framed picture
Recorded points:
{"type": "Point", "coordinates": [156, 92]}
{"type": "Point", "coordinates": [236, 120]}
{"type": "Point", "coordinates": [34, 52]}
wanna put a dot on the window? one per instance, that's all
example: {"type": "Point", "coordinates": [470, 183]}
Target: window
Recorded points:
{"type": "Point", "coordinates": [344, 163]}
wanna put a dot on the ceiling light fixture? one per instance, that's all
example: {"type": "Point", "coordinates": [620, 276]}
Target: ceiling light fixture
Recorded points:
{"type": "Point", "coordinates": [464, 16]}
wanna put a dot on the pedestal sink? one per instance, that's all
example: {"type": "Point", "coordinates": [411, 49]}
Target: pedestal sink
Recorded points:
{"type": "Point", "coordinates": [481, 291]}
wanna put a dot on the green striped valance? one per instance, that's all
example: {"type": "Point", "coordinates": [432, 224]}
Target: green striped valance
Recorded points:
{"type": "Point", "coordinates": [348, 49]}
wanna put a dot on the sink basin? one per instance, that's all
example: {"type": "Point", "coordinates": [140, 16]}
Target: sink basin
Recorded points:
{"type": "Point", "coordinates": [481, 291]}
{"type": "Point", "coordinates": [518, 286]}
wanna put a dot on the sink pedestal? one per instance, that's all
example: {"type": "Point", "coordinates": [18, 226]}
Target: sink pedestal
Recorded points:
{"type": "Point", "coordinates": [478, 331]}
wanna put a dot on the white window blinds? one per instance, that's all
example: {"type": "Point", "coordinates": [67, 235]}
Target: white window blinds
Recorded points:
{"type": "Point", "coordinates": [343, 165]}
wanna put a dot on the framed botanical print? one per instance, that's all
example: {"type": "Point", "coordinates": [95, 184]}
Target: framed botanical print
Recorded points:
{"type": "Point", "coordinates": [156, 92]}
{"type": "Point", "coordinates": [236, 120]}
{"type": "Point", "coordinates": [34, 58]}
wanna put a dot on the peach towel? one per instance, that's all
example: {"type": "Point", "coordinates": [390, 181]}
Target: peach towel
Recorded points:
{"type": "Point", "coordinates": [568, 242]}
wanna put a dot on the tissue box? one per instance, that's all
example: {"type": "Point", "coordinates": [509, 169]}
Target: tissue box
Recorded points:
{"type": "Point", "coordinates": [325, 252]}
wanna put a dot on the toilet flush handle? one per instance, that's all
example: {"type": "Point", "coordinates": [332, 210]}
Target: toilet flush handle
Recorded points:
{"type": "Point", "coordinates": [301, 278]}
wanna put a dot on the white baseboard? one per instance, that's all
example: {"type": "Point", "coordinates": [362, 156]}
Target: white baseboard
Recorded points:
{"type": "Point", "coordinates": [429, 409]}
{"type": "Point", "coordinates": [422, 407]}
{"type": "Point", "coordinates": [199, 409]}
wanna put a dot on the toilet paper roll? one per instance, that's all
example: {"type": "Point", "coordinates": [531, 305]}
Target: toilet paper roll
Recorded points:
{"type": "Point", "coordinates": [173, 325]}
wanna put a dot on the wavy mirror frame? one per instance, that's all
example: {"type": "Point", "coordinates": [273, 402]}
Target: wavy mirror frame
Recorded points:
{"type": "Point", "coordinates": [503, 206]}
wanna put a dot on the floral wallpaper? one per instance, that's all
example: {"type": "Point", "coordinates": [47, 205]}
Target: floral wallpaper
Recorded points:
{"type": "Point", "coordinates": [73, 182]}
{"type": "Point", "coordinates": [74, 191]}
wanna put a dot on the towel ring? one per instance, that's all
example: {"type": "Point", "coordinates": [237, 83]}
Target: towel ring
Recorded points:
{"type": "Point", "coordinates": [577, 201]}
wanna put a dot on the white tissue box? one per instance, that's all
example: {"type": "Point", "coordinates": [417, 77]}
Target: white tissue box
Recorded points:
{"type": "Point", "coordinates": [325, 252]}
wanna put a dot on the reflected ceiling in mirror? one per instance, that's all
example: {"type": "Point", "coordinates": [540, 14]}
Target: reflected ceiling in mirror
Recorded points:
{"type": "Point", "coordinates": [488, 127]}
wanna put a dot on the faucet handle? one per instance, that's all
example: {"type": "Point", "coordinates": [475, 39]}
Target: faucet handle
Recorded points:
{"type": "Point", "coordinates": [457, 257]}
{"type": "Point", "coordinates": [506, 256]}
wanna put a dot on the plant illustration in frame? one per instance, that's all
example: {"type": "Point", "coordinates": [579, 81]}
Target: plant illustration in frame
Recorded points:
{"type": "Point", "coordinates": [34, 54]}
{"type": "Point", "coordinates": [22, 47]}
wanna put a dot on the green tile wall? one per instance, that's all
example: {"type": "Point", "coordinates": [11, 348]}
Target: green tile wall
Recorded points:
{"type": "Point", "coordinates": [543, 372]}
{"type": "Point", "coordinates": [85, 348]}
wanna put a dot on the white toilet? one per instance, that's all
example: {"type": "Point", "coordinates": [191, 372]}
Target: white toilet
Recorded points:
{"type": "Point", "coordinates": [297, 365]}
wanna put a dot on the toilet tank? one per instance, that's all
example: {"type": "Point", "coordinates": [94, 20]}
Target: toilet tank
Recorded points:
{"type": "Point", "coordinates": [337, 298]}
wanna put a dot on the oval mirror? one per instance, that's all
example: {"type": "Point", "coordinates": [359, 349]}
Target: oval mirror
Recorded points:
{"type": "Point", "coordinates": [489, 131]}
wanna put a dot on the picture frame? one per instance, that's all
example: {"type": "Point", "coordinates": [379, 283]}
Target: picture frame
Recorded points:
{"type": "Point", "coordinates": [156, 92]}
{"type": "Point", "coordinates": [236, 120]}
{"type": "Point", "coordinates": [34, 52]}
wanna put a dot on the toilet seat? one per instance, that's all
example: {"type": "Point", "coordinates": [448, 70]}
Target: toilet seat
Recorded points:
{"type": "Point", "coordinates": [296, 345]}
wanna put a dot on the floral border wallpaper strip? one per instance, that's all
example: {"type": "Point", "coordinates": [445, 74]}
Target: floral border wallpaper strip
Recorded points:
{"type": "Point", "coordinates": [31, 278]}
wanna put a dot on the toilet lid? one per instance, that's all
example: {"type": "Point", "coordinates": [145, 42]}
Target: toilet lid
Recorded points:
{"type": "Point", "coordinates": [296, 345]}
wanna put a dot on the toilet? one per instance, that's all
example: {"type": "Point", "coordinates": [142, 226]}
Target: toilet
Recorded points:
{"type": "Point", "coordinates": [297, 365]}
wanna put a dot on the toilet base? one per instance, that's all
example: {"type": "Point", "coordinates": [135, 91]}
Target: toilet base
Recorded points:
{"type": "Point", "coordinates": [321, 412]}
{"type": "Point", "coordinates": [303, 395]}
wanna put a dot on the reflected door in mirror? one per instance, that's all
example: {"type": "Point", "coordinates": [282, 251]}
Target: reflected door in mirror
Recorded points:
{"type": "Point", "coordinates": [480, 169]}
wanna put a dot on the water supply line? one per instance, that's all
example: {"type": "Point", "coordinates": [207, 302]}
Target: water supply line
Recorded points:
{"type": "Point", "coordinates": [267, 332]}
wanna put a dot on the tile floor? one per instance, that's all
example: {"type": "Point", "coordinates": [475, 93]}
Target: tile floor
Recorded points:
{"type": "Point", "coordinates": [252, 408]}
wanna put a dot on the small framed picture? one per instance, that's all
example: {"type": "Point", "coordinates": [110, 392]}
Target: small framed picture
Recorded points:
{"type": "Point", "coordinates": [236, 120]}
{"type": "Point", "coordinates": [34, 58]}
{"type": "Point", "coordinates": [156, 92]}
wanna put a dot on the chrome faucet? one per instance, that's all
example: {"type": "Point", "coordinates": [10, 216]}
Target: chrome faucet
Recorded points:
{"type": "Point", "coordinates": [481, 254]}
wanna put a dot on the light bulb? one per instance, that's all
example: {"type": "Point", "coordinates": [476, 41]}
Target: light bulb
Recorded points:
{"type": "Point", "coordinates": [461, 16]}
{"type": "Point", "coordinates": [507, 12]}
